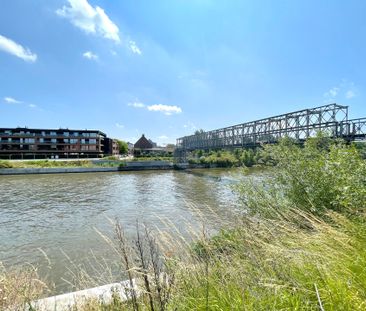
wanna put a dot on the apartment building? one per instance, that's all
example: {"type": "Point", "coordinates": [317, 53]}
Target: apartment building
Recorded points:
{"type": "Point", "coordinates": [26, 143]}
{"type": "Point", "coordinates": [111, 146]}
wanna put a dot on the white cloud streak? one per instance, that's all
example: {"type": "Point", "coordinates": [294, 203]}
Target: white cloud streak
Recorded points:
{"type": "Point", "coordinates": [11, 100]}
{"type": "Point", "coordinates": [168, 110]}
{"type": "Point", "coordinates": [136, 105]}
{"type": "Point", "coordinates": [163, 137]}
{"type": "Point", "coordinates": [121, 126]}
{"type": "Point", "coordinates": [92, 20]}
{"type": "Point", "coordinates": [90, 55]}
{"type": "Point", "coordinates": [11, 47]}
{"type": "Point", "coordinates": [134, 48]}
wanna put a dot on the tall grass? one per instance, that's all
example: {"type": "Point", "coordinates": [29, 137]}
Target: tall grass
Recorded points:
{"type": "Point", "coordinates": [19, 287]}
{"type": "Point", "coordinates": [299, 243]}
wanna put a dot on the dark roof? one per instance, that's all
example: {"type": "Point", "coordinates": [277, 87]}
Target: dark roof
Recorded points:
{"type": "Point", "coordinates": [143, 143]}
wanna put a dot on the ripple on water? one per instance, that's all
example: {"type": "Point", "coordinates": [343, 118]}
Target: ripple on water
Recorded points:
{"type": "Point", "coordinates": [61, 212]}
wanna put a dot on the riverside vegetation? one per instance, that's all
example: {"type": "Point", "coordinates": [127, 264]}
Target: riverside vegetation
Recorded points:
{"type": "Point", "coordinates": [299, 244]}
{"type": "Point", "coordinates": [225, 158]}
{"type": "Point", "coordinates": [55, 164]}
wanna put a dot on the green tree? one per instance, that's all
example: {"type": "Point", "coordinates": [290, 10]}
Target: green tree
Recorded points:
{"type": "Point", "coordinates": [123, 147]}
{"type": "Point", "coordinates": [198, 132]}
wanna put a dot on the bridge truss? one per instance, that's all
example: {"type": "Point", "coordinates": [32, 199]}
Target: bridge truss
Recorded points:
{"type": "Point", "coordinates": [299, 125]}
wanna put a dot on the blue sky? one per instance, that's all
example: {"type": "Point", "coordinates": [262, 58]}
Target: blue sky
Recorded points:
{"type": "Point", "coordinates": [167, 68]}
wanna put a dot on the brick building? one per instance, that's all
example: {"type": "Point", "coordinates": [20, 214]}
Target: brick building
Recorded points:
{"type": "Point", "coordinates": [111, 146]}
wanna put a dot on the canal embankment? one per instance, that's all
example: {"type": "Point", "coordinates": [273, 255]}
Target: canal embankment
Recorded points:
{"type": "Point", "coordinates": [95, 167]}
{"type": "Point", "coordinates": [103, 166]}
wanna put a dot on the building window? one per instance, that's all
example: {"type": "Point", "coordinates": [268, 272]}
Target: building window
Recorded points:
{"type": "Point", "coordinates": [53, 133]}
{"type": "Point", "coordinates": [66, 134]}
{"type": "Point", "coordinates": [92, 141]}
{"type": "Point", "coordinates": [41, 140]}
{"type": "Point", "coordinates": [54, 140]}
{"type": "Point", "coordinates": [73, 141]}
{"type": "Point", "coordinates": [66, 141]}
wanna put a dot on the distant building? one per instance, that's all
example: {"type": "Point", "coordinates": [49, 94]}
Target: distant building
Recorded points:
{"type": "Point", "coordinates": [170, 148]}
{"type": "Point", "coordinates": [130, 147]}
{"type": "Point", "coordinates": [143, 143]}
{"type": "Point", "coordinates": [25, 143]}
{"type": "Point", "coordinates": [154, 145]}
{"type": "Point", "coordinates": [111, 146]}
{"type": "Point", "coordinates": [146, 147]}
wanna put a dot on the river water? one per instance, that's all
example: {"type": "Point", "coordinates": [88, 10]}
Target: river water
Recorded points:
{"type": "Point", "coordinates": [54, 221]}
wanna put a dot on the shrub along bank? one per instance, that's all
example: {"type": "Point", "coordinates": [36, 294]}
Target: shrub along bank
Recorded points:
{"type": "Point", "coordinates": [226, 158]}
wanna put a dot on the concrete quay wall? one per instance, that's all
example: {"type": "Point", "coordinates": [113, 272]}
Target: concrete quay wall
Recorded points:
{"type": "Point", "coordinates": [128, 166]}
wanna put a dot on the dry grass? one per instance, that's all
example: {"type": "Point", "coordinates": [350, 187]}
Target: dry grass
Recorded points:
{"type": "Point", "coordinates": [18, 287]}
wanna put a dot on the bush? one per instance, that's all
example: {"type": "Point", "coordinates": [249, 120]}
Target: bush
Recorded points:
{"type": "Point", "coordinates": [317, 177]}
{"type": "Point", "coordinates": [302, 246]}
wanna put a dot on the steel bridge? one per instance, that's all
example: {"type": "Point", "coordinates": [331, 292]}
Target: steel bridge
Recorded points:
{"type": "Point", "coordinates": [331, 119]}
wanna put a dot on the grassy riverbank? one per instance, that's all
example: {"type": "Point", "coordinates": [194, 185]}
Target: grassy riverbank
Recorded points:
{"type": "Point", "coordinates": [153, 158]}
{"type": "Point", "coordinates": [302, 245]}
{"type": "Point", "coordinates": [58, 164]}
{"type": "Point", "coordinates": [105, 162]}
{"type": "Point", "coordinates": [299, 244]}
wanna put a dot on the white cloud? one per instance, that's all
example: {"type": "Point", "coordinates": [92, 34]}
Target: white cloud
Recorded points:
{"type": "Point", "coordinates": [134, 48]}
{"type": "Point", "coordinates": [90, 55]}
{"type": "Point", "coordinates": [168, 110]}
{"type": "Point", "coordinates": [190, 126]}
{"type": "Point", "coordinates": [136, 105]}
{"type": "Point", "coordinates": [345, 88]}
{"type": "Point", "coordinates": [11, 100]}
{"type": "Point", "coordinates": [350, 94]}
{"type": "Point", "coordinates": [330, 95]}
{"type": "Point", "coordinates": [163, 137]}
{"type": "Point", "coordinates": [16, 49]}
{"type": "Point", "coordinates": [90, 19]}
{"type": "Point", "coordinates": [121, 126]}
